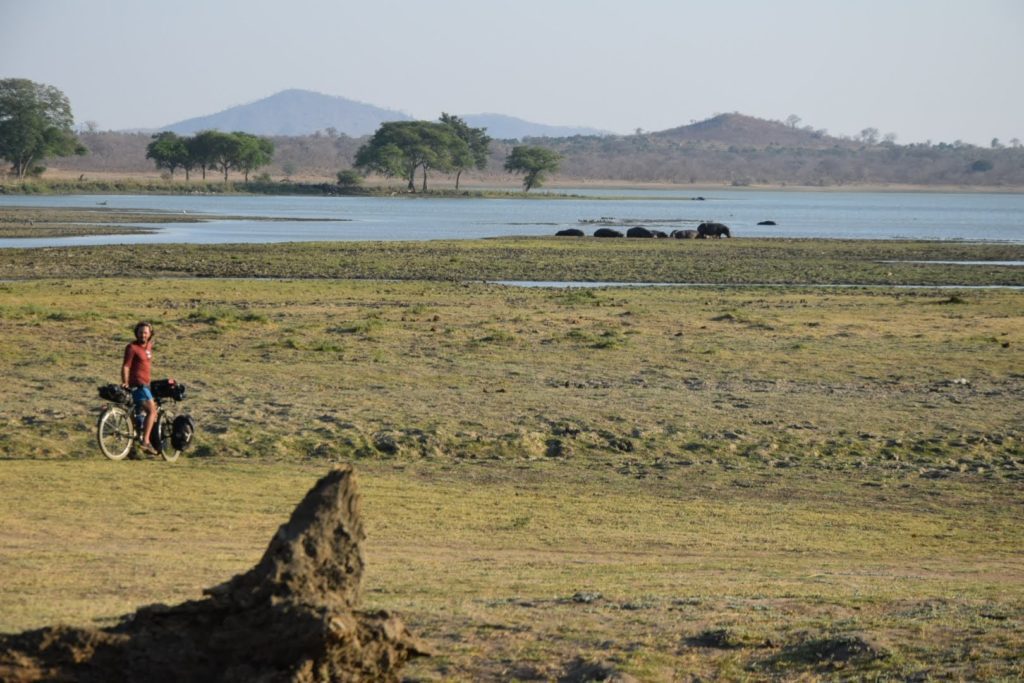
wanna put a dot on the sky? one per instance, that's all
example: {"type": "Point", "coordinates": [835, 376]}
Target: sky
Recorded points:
{"type": "Point", "coordinates": [939, 70]}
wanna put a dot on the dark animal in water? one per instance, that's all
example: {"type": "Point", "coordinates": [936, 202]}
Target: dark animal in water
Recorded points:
{"type": "Point", "coordinates": [716, 230]}
{"type": "Point", "coordinates": [684, 234]}
{"type": "Point", "coordinates": [767, 223]}
{"type": "Point", "coordinates": [607, 232]}
{"type": "Point", "coordinates": [570, 232]}
{"type": "Point", "coordinates": [639, 231]}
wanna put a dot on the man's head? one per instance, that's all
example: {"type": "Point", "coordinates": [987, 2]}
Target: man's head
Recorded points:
{"type": "Point", "coordinates": [143, 332]}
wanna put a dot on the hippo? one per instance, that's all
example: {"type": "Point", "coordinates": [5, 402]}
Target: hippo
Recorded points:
{"type": "Point", "coordinates": [660, 234]}
{"type": "Point", "coordinates": [716, 230]}
{"type": "Point", "coordinates": [639, 231]}
{"type": "Point", "coordinates": [684, 234]}
{"type": "Point", "coordinates": [570, 232]}
{"type": "Point", "coordinates": [607, 232]}
{"type": "Point", "coordinates": [766, 223]}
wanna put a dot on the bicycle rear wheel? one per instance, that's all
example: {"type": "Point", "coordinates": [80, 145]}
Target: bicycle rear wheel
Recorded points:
{"type": "Point", "coordinates": [165, 424]}
{"type": "Point", "coordinates": [114, 433]}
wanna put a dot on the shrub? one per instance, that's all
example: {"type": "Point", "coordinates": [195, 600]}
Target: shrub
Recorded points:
{"type": "Point", "coordinates": [350, 178]}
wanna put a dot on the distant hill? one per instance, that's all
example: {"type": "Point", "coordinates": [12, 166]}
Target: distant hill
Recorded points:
{"type": "Point", "coordinates": [741, 130]}
{"type": "Point", "coordinates": [294, 112]}
{"type": "Point", "coordinates": [303, 112]}
{"type": "Point", "coordinates": [501, 127]}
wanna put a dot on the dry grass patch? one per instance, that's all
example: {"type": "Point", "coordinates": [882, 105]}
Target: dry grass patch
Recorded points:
{"type": "Point", "coordinates": [504, 568]}
{"type": "Point", "coordinates": [748, 483]}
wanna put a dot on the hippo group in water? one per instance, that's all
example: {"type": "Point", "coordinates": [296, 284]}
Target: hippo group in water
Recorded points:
{"type": "Point", "coordinates": [703, 231]}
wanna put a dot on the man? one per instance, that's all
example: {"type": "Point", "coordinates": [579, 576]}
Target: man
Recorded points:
{"type": "Point", "coordinates": [138, 356]}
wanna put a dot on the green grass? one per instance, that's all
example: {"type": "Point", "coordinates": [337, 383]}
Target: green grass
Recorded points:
{"type": "Point", "coordinates": [719, 262]}
{"type": "Point", "coordinates": [734, 483]}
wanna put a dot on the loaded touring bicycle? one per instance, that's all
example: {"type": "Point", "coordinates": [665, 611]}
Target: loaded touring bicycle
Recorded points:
{"type": "Point", "coordinates": [121, 423]}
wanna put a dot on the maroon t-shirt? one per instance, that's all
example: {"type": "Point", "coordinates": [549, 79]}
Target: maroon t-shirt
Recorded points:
{"type": "Point", "coordinates": [138, 357]}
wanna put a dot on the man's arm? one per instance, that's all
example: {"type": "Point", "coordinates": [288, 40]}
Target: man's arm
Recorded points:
{"type": "Point", "coordinates": [127, 365]}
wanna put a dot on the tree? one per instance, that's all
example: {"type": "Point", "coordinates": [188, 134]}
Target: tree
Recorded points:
{"type": "Point", "coordinates": [792, 120]}
{"type": "Point", "coordinates": [169, 151]}
{"type": "Point", "coordinates": [254, 152]}
{"type": "Point", "coordinates": [477, 143]}
{"type": "Point", "coordinates": [225, 151]}
{"type": "Point", "coordinates": [534, 162]}
{"type": "Point", "coordinates": [400, 148]}
{"type": "Point", "coordinates": [35, 123]}
{"type": "Point", "coordinates": [201, 149]}
{"type": "Point", "coordinates": [869, 135]}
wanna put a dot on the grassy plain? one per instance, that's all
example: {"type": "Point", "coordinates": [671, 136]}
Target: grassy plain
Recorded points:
{"type": "Point", "coordinates": [741, 483]}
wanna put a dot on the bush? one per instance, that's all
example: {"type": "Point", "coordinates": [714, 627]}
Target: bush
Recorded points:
{"type": "Point", "coordinates": [349, 178]}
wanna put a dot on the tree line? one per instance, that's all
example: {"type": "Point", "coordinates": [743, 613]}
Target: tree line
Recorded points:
{"type": "Point", "coordinates": [644, 158]}
{"type": "Point", "coordinates": [210, 149]}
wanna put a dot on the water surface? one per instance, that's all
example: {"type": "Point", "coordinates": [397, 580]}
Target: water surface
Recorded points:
{"type": "Point", "coordinates": [798, 214]}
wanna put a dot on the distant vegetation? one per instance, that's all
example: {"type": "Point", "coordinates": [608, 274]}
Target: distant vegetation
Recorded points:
{"type": "Point", "coordinates": [730, 149]}
{"type": "Point", "coordinates": [35, 123]}
{"type": "Point", "coordinates": [535, 163]}
{"type": "Point", "coordinates": [210, 149]}
{"type": "Point", "coordinates": [398, 149]}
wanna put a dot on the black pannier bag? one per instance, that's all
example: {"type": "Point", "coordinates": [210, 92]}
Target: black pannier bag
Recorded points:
{"type": "Point", "coordinates": [167, 388]}
{"type": "Point", "coordinates": [182, 430]}
{"type": "Point", "coordinates": [114, 393]}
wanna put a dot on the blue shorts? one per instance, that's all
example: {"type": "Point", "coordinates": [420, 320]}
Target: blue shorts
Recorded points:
{"type": "Point", "coordinates": [142, 394]}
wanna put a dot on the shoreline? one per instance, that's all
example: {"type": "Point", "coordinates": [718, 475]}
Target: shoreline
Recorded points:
{"type": "Point", "coordinates": [149, 183]}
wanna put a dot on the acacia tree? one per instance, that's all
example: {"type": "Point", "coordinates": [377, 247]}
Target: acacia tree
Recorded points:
{"type": "Point", "coordinates": [201, 147]}
{"type": "Point", "coordinates": [35, 123]}
{"type": "Point", "coordinates": [400, 148]}
{"type": "Point", "coordinates": [477, 145]}
{"type": "Point", "coordinates": [253, 153]}
{"type": "Point", "coordinates": [534, 162]}
{"type": "Point", "coordinates": [169, 151]}
{"type": "Point", "coordinates": [225, 150]}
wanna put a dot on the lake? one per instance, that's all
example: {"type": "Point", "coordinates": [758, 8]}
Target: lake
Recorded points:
{"type": "Point", "coordinates": [838, 215]}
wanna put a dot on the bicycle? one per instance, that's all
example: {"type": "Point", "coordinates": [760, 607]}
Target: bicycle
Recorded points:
{"type": "Point", "coordinates": [121, 423]}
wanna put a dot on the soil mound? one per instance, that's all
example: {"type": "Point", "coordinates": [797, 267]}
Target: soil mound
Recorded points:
{"type": "Point", "coordinates": [289, 618]}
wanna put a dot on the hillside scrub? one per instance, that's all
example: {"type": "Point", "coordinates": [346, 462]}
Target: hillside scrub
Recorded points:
{"type": "Point", "coordinates": [729, 149]}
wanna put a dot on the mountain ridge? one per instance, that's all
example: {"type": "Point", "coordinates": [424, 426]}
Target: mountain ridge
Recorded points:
{"type": "Point", "coordinates": [296, 112]}
{"type": "Point", "coordinates": [293, 112]}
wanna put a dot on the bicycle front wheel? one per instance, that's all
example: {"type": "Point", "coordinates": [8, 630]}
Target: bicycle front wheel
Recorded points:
{"type": "Point", "coordinates": [114, 433]}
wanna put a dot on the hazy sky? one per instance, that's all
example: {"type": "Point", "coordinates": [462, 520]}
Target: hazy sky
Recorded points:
{"type": "Point", "coordinates": [923, 69]}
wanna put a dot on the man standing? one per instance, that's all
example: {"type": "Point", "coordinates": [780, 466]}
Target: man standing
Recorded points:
{"type": "Point", "coordinates": [138, 356]}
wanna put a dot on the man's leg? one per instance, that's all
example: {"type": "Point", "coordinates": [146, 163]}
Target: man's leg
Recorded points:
{"type": "Point", "coordinates": [150, 408]}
